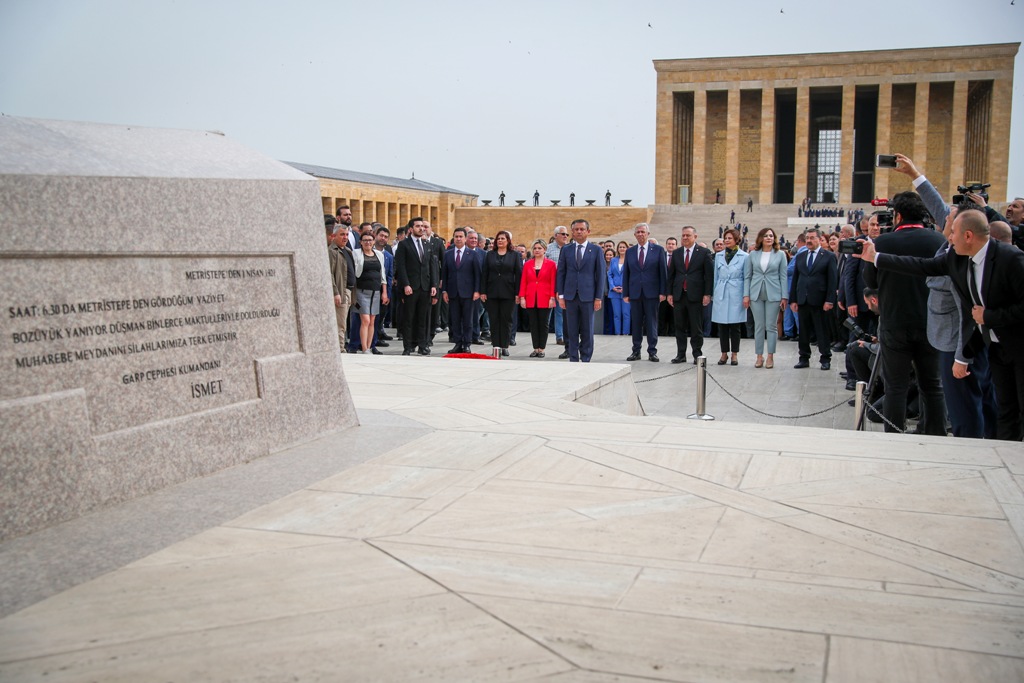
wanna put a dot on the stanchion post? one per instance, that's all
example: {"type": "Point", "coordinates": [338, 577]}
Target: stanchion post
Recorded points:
{"type": "Point", "coordinates": [858, 407]}
{"type": "Point", "coordinates": [702, 385]}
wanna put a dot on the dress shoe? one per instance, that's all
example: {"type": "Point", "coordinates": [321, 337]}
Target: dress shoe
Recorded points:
{"type": "Point", "coordinates": [695, 359]}
{"type": "Point", "coordinates": [504, 352]}
{"type": "Point", "coordinates": [533, 354]}
{"type": "Point", "coordinates": [424, 351]}
{"type": "Point", "coordinates": [407, 352]}
{"type": "Point", "coordinates": [563, 355]}
{"type": "Point", "coordinates": [511, 342]}
{"type": "Point", "coordinates": [839, 347]}
{"type": "Point", "coordinates": [456, 349]}
{"type": "Point", "coordinates": [540, 354]}
{"type": "Point", "coordinates": [851, 385]}
{"type": "Point", "coordinates": [375, 352]}
{"type": "Point", "coordinates": [801, 365]}
{"type": "Point", "coordinates": [826, 365]}
{"type": "Point", "coordinates": [843, 375]}
{"type": "Point", "coordinates": [653, 357]}
{"type": "Point", "coordinates": [852, 402]}
{"type": "Point", "coordinates": [485, 335]}
{"type": "Point", "coordinates": [477, 341]}
{"type": "Point", "coordinates": [385, 336]}
{"type": "Point", "coordinates": [383, 343]}
{"type": "Point", "coordinates": [634, 356]}
{"type": "Point", "coordinates": [679, 359]}
{"type": "Point", "coordinates": [560, 341]}
{"type": "Point", "coordinates": [723, 360]}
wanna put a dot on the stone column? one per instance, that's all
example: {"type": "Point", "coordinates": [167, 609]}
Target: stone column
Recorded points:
{"type": "Point", "coordinates": [803, 130]}
{"type": "Point", "coordinates": [999, 140]}
{"type": "Point", "coordinates": [921, 91]}
{"type": "Point", "coordinates": [957, 137]}
{"type": "Point", "coordinates": [766, 187]}
{"type": "Point", "coordinates": [700, 145]}
{"type": "Point", "coordinates": [846, 160]}
{"type": "Point", "coordinates": [883, 137]}
{"type": "Point", "coordinates": [732, 148]}
{"type": "Point", "coordinates": [665, 144]}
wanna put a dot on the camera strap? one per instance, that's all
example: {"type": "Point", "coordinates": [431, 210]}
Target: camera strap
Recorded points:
{"type": "Point", "coordinates": [909, 225]}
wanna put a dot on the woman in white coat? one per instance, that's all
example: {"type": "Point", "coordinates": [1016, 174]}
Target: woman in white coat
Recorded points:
{"type": "Point", "coordinates": [728, 311]}
{"type": "Point", "coordinates": [764, 292]}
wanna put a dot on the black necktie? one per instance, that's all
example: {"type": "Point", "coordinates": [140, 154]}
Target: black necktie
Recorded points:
{"type": "Point", "coordinates": [579, 255]}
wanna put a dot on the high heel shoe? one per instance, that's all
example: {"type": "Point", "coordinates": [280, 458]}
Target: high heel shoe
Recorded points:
{"type": "Point", "coordinates": [724, 359]}
{"type": "Point", "coordinates": [759, 363]}
{"type": "Point", "coordinates": [770, 363]}
{"type": "Point", "coordinates": [734, 361]}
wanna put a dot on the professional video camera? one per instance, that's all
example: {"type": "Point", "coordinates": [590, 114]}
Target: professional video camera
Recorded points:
{"type": "Point", "coordinates": [857, 330]}
{"type": "Point", "coordinates": [973, 188]}
{"type": "Point", "coordinates": [884, 214]}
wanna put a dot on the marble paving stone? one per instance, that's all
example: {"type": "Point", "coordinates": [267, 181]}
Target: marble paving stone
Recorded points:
{"type": "Point", "coordinates": [608, 429]}
{"type": "Point", "coordinates": [443, 416]}
{"type": "Point", "coordinates": [964, 572]}
{"type": "Point", "coordinates": [853, 660]}
{"type": "Point", "coordinates": [1013, 457]}
{"type": "Point", "coordinates": [662, 647]}
{"type": "Point", "coordinates": [160, 600]}
{"type": "Point", "coordinates": [936, 622]}
{"type": "Point", "coordinates": [394, 640]}
{"type": "Point", "coordinates": [966, 497]}
{"type": "Point", "coordinates": [725, 468]}
{"type": "Point", "coordinates": [379, 479]}
{"type": "Point", "coordinates": [775, 470]}
{"type": "Point", "coordinates": [744, 540]}
{"type": "Point", "coordinates": [987, 542]}
{"type": "Point", "coordinates": [1015, 516]}
{"type": "Point", "coordinates": [453, 450]}
{"type": "Point", "coordinates": [552, 466]}
{"type": "Point", "coordinates": [223, 542]}
{"type": "Point", "coordinates": [529, 577]}
{"type": "Point", "coordinates": [328, 513]}
{"type": "Point", "coordinates": [1004, 487]}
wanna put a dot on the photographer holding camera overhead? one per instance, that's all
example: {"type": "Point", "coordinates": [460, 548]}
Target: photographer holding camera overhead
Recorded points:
{"type": "Point", "coordinates": [970, 398]}
{"type": "Point", "coordinates": [903, 317]}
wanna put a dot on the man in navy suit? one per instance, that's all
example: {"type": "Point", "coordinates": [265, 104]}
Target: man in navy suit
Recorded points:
{"type": "Point", "coordinates": [580, 286]}
{"type": "Point", "coordinates": [644, 288]}
{"type": "Point", "coordinates": [812, 293]}
{"type": "Point", "coordinates": [460, 288]}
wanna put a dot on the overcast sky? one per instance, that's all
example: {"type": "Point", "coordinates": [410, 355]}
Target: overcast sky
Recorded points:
{"type": "Point", "coordinates": [479, 96]}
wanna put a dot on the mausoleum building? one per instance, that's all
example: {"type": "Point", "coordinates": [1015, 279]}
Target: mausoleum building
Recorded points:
{"type": "Point", "coordinates": [777, 129]}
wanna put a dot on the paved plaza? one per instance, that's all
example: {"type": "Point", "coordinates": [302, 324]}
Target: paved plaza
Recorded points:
{"type": "Point", "coordinates": [523, 520]}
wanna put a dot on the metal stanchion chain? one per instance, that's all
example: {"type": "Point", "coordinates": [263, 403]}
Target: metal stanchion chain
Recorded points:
{"type": "Point", "coordinates": [671, 374]}
{"type": "Point", "coordinates": [761, 412]}
{"type": "Point", "coordinates": [884, 418]}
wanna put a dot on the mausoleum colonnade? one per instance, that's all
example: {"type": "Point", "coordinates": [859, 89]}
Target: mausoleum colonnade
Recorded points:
{"type": "Point", "coordinates": [782, 128]}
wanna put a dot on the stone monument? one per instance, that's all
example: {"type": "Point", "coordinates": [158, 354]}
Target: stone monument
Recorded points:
{"type": "Point", "coordinates": [167, 312]}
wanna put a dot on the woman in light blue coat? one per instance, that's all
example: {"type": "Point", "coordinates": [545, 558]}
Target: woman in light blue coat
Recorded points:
{"type": "Point", "coordinates": [764, 292]}
{"type": "Point", "coordinates": [729, 312]}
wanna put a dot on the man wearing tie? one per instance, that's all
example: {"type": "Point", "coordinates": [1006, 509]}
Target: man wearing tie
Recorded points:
{"type": "Point", "coordinates": [988, 277]}
{"type": "Point", "coordinates": [691, 279]}
{"type": "Point", "coordinates": [460, 287]}
{"type": "Point", "coordinates": [812, 293]}
{"type": "Point", "coordinates": [643, 289]}
{"type": "Point", "coordinates": [580, 285]}
{"type": "Point", "coordinates": [416, 275]}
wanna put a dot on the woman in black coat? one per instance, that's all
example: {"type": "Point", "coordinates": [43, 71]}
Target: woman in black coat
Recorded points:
{"type": "Point", "coordinates": [500, 272]}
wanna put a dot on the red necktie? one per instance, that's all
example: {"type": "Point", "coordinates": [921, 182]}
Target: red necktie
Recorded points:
{"type": "Point", "coordinates": [686, 266]}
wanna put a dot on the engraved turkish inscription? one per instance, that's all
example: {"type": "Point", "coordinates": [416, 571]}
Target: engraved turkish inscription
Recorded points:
{"type": "Point", "coordinates": [148, 338]}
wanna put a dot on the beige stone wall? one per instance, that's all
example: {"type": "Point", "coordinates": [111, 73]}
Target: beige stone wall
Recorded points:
{"type": "Point", "coordinates": [750, 147]}
{"type": "Point", "coordinates": [528, 223]}
{"type": "Point", "coordinates": [927, 125]}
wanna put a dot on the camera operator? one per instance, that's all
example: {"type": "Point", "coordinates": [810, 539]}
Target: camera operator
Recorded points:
{"type": "Point", "coordinates": [904, 316]}
{"type": "Point", "coordinates": [864, 348]}
{"type": "Point", "coordinates": [970, 400]}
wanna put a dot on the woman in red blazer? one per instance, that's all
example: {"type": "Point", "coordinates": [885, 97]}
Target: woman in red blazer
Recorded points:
{"type": "Point", "coordinates": [537, 295]}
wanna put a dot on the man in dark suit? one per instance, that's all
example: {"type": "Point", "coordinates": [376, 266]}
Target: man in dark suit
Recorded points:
{"type": "Point", "coordinates": [812, 293]}
{"type": "Point", "coordinates": [644, 287]}
{"type": "Point", "coordinates": [988, 277]}
{"type": "Point", "coordinates": [903, 318]}
{"type": "Point", "coordinates": [437, 318]}
{"type": "Point", "coordinates": [691, 280]}
{"type": "Point", "coordinates": [416, 276]}
{"type": "Point", "coordinates": [580, 284]}
{"type": "Point", "coordinates": [460, 287]}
